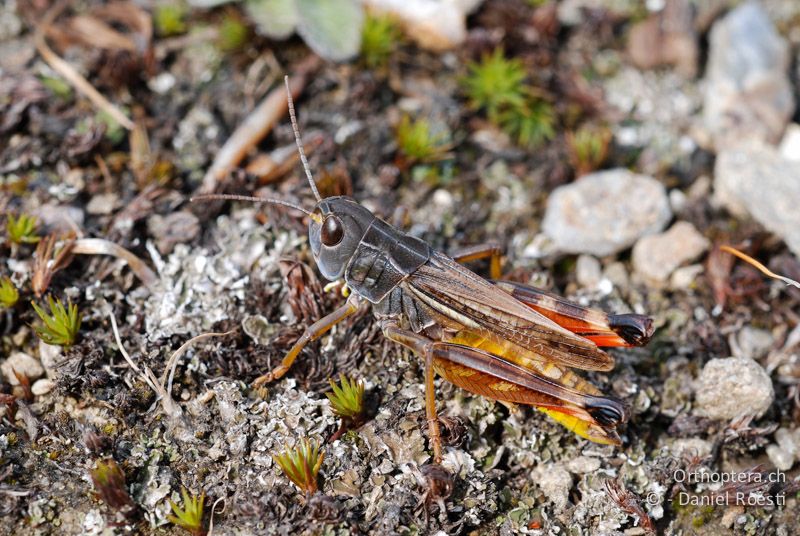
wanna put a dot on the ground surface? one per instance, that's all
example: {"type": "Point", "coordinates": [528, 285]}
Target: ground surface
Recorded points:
{"type": "Point", "coordinates": [248, 269]}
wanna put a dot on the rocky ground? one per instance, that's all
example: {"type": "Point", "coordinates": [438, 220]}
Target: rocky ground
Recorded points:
{"type": "Point", "coordinates": [666, 130]}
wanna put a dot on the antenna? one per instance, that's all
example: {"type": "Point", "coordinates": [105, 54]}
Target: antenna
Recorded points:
{"type": "Point", "coordinates": [300, 143]}
{"type": "Point", "coordinates": [231, 197]}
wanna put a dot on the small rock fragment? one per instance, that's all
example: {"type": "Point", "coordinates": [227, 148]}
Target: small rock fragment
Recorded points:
{"type": "Point", "coordinates": [605, 212]}
{"type": "Point", "coordinates": [757, 181]}
{"type": "Point", "coordinates": [583, 464]}
{"type": "Point", "coordinates": [684, 277]}
{"type": "Point", "coordinates": [176, 228]}
{"type": "Point", "coordinates": [22, 363]}
{"type": "Point", "coordinates": [102, 204]}
{"type": "Point", "coordinates": [555, 482]}
{"type": "Point", "coordinates": [666, 38]}
{"type": "Point", "coordinates": [655, 257]}
{"type": "Point", "coordinates": [751, 342]}
{"type": "Point", "coordinates": [691, 447]}
{"type": "Point", "coordinates": [790, 144]}
{"type": "Point", "coordinates": [588, 271]}
{"type": "Point", "coordinates": [748, 95]}
{"type": "Point", "coordinates": [42, 387]}
{"type": "Point", "coordinates": [780, 457]}
{"type": "Point", "coordinates": [433, 25]}
{"type": "Point", "coordinates": [731, 387]}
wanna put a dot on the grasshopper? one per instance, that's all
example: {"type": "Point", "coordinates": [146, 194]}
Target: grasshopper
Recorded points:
{"type": "Point", "coordinates": [506, 341]}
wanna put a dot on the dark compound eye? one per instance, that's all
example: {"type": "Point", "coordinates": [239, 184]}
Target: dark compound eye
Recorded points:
{"type": "Point", "coordinates": [332, 231]}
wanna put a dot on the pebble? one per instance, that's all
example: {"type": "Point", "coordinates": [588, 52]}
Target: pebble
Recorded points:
{"type": "Point", "coordinates": [433, 25]}
{"type": "Point", "coordinates": [751, 342]}
{"type": "Point", "coordinates": [790, 144]}
{"type": "Point", "coordinates": [781, 458]}
{"type": "Point", "coordinates": [731, 387]}
{"type": "Point", "coordinates": [23, 364]}
{"type": "Point", "coordinates": [655, 257]}
{"type": "Point", "coordinates": [748, 95]}
{"type": "Point", "coordinates": [583, 464]}
{"type": "Point", "coordinates": [683, 278]}
{"type": "Point", "coordinates": [588, 271]}
{"type": "Point", "coordinates": [786, 451]}
{"type": "Point", "coordinates": [605, 212]}
{"type": "Point", "coordinates": [176, 228]}
{"type": "Point", "coordinates": [42, 387]}
{"type": "Point", "coordinates": [667, 37]}
{"type": "Point", "coordinates": [756, 181]}
{"type": "Point", "coordinates": [555, 482]}
{"type": "Point", "coordinates": [690, 447]}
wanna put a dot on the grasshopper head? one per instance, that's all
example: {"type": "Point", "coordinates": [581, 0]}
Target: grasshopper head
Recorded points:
{"type": "Point", "coordinates": [336, 228]}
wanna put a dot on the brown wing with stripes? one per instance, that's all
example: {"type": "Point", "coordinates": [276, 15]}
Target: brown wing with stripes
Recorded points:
{"type": "Point", "coordinates": [451, 291]}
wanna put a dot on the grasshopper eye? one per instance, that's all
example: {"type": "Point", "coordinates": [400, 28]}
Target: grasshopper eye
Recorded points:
{"type": "Point", "coordinates": [332, 231]}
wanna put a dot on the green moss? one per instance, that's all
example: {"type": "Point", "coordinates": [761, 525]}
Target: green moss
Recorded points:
{"type": "Point", "coordinates": [496, 85]}
{"type": "Point", "coordinates": [22, 229]}
{"type": "Point", "coordinates": [190, 517]}
{"type": "Point", "coordinates": [61, 326]}
{"type": "Point", "coordinates": [379, 38]}
{"type": "Point", "coordinates": [232, 34]}
{"type": "Point", "coordinates": [169, 19]}
{"type": "Point", "coordinates": [9, 295]}
{"type": "Point", "coordinates": [417, 142]}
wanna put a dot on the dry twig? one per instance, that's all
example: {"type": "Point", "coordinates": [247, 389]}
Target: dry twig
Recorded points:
{"type": "Point", "coordinates": [72, 76]}
{"type": "Point", "coordinates": [255, 126]}
{"type": "Point", "coordinates": [763, 269]}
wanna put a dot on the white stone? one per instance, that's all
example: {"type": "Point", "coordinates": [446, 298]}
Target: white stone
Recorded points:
{"type": "Point", "coordinates": [605, 212]}
{"type": "Point", "coordinates": [23, 364]}
{"type": "Point", "coordinates": [42, 386]}
{"type": "Point", "coordinates": [790, 144]}
{"type": "Point", "coordinates": [655, 257]}
{"type": "Point", "coordinates": [781, 458]}
{"type": "Point", "coordinates": [758, 182]}
{"type": "Point", "coordinates": [748, 95]}
{"type": "Point", "coordinates": [555, 482]}
{"type": "Point", "coordinates": [732, 387]}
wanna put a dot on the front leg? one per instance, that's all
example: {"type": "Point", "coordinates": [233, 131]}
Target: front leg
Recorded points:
{"type": "Point", "coordinates": [312, 333]}
{"type": "Point", "coordinates": [423, 347]}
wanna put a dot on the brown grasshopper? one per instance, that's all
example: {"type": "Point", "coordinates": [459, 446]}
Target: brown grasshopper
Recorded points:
{"type": "Point", "coordinates": [506, 341]}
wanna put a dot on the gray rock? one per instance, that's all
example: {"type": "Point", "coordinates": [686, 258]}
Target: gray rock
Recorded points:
{"type": "Point", "coordinates": [655, 257]}
{"type": "Point", "coordinates": [756, 181]}
{"type": "Point", "coordinates": [790, 144]}
{"type": "Point", "coordinates": [606, 212]}
{"type": "Point", "coordinates": [748, 95]}
{"type": "Point", "coordinates": [555, 482]}
{"type": "Point", "coordinates": [731, 387]}
{"type": "Point", "coordinates": [42, 387]}
{"type": "Point", "coordinates": [780, 457]}
{"type": "Point", "coordinates": [588, 271]}
{"type": "Point", "coordinates": [22, 363]}
{"type": "Point", "coordinates": [751, 342]}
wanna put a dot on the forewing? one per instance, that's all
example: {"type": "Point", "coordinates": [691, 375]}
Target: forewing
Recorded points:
{"type": "Point", "coordinates": [451, 290]}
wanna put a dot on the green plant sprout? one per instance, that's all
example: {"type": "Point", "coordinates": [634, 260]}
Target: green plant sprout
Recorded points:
{"type": "Point", "coordinates": [531, 123]}
{"type": "Point", "coordinates": [232, 33]}
{"type": "Point", "coordinates": [109, 483]}
{"type": "Point", "coordinates": [169, 19]}
{"type": "Point", "coordinates": [497, 86]}
{"type": "Point", "coordinates": [22, 230]}
{"type": "Point", "coordinates": [495, 83]}
{"type": "Point", "coordinates": [417, 142]}
{"type": "Point", "coordinates": [588, 148]}
{"type": "Point", "coordinates": [347, 398]}
{"type": "Point", "coordinates": [61, 326]}
{"type": "Point", "coordinates": [9, 295]}
{"type": "Point", "coordinates": [190, 517]}
{"type": "Point", "coordinates": [379, 38]}
{"type": "Point", "coordinates": [301, 464]}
